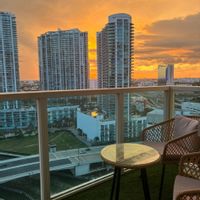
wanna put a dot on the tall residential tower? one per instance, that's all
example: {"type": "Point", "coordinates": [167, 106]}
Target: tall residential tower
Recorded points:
{"type": "Point", "coordinates": [115, 63]}
{"type": "Point", "coordinates": [115, 52]}
{"type": "Point", "coordinates": [9, 66]}
{"type": "Point", "coordinates": [63, 60]}
{"type": "Point", "coordinates": [166, 74]}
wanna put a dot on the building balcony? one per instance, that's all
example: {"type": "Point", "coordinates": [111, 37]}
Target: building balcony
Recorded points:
{"type": "Point", "coordinates": [50, 141]}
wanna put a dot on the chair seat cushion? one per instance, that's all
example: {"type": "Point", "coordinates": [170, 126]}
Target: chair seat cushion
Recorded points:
{"type": "Point", "coordinates": [183, 184]}
{"type": "Point", "coordinates": [159, 146]}
{"type": "Point", "coordinates": [184, 125]}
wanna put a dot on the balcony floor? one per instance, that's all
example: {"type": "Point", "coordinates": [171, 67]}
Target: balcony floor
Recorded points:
{"type": "Point", "coordinates": [131, 186]}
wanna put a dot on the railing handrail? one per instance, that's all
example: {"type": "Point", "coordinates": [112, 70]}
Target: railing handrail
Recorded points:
{"type": "Point", "coordinates": [85, 92]}
{"type": "Point", "coordinates": [185, 88]}
{"type": "Point", "coordinates": [80, 92]}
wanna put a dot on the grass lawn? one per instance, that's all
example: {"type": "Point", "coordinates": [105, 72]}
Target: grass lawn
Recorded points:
{"type": "Point", "coordinates": [29, 144]}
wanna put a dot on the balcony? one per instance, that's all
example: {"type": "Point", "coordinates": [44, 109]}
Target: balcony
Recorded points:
{"type": "Point", "coordinates": [47, 163]}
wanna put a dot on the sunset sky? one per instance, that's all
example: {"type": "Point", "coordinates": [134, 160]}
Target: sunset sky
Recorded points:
{"type": "Point", "coordinates": [166, 31]}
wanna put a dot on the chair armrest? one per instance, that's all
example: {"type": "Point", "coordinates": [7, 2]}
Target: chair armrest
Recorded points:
{"type": "Point", "coordinates": [160, 132]}
{"type": "Point", "coordinates": [180, 146]}
{"type": "Point", "coordinates": [190, 165]}
{"type": "Point", "coordinates": [189, 194]}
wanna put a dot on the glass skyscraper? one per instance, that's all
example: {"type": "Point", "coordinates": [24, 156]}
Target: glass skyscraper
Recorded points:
{"type": "Point", "coordinates": [115, 62]}
{"type": "Point", "coordinates": [63, 60]}
{"type": "Point", "coordinates": [115, 52]}
{"type": "Point", "coordinates": [9, 66]}
{"type": "Point", "coordinates": [166, 74]}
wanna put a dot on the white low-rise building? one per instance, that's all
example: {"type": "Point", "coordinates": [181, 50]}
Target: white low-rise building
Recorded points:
{"type": "Point", "coordinates": [95, 126]}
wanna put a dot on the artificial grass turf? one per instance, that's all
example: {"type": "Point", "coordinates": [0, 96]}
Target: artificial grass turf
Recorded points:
{"type": "Point", "coordinates": [131, 186]}
{"type": "Point", "coordinates": [30, 185]}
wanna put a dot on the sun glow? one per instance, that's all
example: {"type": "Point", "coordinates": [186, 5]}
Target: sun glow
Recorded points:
{"type": "Point", "coordinates": [169, 35]}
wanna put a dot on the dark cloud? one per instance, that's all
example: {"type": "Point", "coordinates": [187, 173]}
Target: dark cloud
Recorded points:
{"type": "Point", "coordinates": [148, 50]}
{"type": "Point", "coordinates": [187, 58]}
{"type": "Point", "coordinates": [162, 58]}
{"type": "Point", "coordinates": [173, 42]}
{"type": "Point", "coordinates": [180, 34]}
{"type": "Point", "coordinates": [188, 26]}
{"type": "Point", "coordinates": [141, 36]}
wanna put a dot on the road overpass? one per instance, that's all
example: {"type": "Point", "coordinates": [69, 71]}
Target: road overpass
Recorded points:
{"type": "Point", "coordinates": [76, 160]}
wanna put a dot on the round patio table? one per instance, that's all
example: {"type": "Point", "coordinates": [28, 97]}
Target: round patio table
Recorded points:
{"type": "Point", "coordinates": [130, 156]}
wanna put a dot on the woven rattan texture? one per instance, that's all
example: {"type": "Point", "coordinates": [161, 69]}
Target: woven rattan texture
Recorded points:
{"type": "Point", "coordinates": [174, 148]}
{"type": "Point", "coordinates": [190, 167]}
{"type": "Point", "coordinates": [192, 195]}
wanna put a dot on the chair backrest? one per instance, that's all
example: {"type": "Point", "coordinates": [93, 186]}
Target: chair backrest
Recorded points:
{"type": "Point", "coordinates": [184, 125]}
{"type": "Point", "coordinates": [198, 119]}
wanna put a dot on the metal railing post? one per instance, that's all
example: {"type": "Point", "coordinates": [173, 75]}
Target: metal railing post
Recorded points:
{"type": "Point", "coordinates": [43, 148]}
{"type": "Point", "coordinates": [169, 103]}
{"type": "Point", "coordinates": [119, 118]}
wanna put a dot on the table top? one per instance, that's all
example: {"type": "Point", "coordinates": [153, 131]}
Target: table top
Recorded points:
{"type": "Point", "coordinates": [130, 155]}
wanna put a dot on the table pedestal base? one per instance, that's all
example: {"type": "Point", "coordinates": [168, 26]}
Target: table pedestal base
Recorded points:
{"type": "Point", "coordinates": [116, 184]}
{"type": "Point", "coordinates": [145, 184]}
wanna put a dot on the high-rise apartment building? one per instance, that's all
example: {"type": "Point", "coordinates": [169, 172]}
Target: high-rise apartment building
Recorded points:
{"type": "Point", "coordinates": [9, 66]}
{"type": "Point", "coordinates": [166, 74]}
{"type": "Point", "coordinates": [63, 60]}
{"type": "Point", "coordinates": [115, 63]}
{"type": "Point", "coordinates": [115, 52]}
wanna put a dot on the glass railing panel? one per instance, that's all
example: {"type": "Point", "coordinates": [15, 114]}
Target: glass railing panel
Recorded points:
{"type": "Point", "coordinates": [141, 110]}
{"type": "Point", "coordinates": [19, 160]}
{"type": "Point", "coordinates": [187, 103]}
{"type": "Point", "coordinates": [79, 127]}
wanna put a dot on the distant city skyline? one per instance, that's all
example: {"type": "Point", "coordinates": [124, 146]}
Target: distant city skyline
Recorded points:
{"type": "Point", "coordinates": [169, 35]}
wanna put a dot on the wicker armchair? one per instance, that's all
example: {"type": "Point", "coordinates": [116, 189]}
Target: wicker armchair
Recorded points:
{"type": "Point", "coordinates": [171, 148]}
{"type": "Point", "coordinates": [187, 182]}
